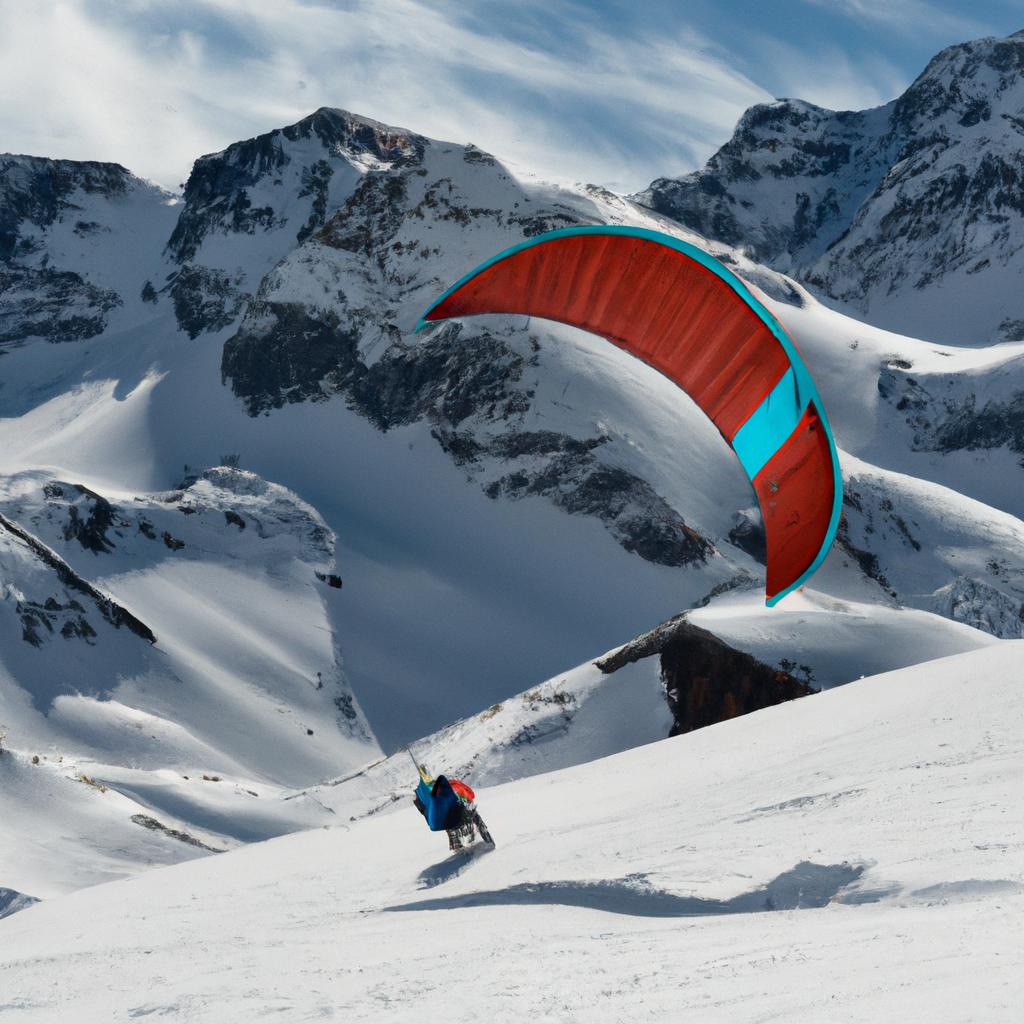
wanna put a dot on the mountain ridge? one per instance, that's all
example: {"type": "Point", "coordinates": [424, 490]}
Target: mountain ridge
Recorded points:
{"type": "Point", "coordinates": [881, 209]}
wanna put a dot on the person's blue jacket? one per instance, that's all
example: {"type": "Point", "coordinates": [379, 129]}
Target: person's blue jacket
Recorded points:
{"type": "Point", "coordinates": [439, 804]}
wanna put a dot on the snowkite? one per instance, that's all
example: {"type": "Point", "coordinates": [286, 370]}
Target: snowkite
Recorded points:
{"type": "Point", "coordinates": [678, 309]}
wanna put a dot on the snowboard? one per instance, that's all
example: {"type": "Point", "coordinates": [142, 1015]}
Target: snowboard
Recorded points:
{"type": "Point", "coordinates": [485, 834]}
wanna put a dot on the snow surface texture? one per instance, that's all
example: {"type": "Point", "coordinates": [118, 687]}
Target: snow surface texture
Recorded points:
{"type": "Point", "coordinates": [501, 499]}
{"type": "Point", "coordinates": [849, 856]}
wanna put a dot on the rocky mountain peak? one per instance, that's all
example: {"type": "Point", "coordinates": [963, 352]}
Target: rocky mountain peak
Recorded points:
{"type": "Point", "coordinates": [968, 83]}
{"type": "Point", "coordinates": [354, 134]}
{"type": "Point", "coordinates": [35, 190]}
{"type": "Point", "coordinates": [249, 205]}
{"type": "Point", "coordinates": [251, 186]}
{"type": "Point", "coordinates": [879, 209]}
{"type": "Point", "coordinates": [774, 144]}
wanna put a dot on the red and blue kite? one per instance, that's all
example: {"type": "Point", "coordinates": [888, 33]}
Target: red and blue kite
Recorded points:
{"type": "Point", "coordinates": [680, 310]}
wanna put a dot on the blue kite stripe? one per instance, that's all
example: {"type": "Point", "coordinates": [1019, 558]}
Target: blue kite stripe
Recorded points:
{"type": "Point", "coordinates": [770, 425]}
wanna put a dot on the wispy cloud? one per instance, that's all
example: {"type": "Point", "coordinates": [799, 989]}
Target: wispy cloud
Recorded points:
{"type": "Point", "coordinates": [916, 17]}
{"type": "Point", "coordinates": [832, 78]}
{"type": "Point", "coordinates": [572, 89]}
{"type": "Point", "coordinates": [155, 84]}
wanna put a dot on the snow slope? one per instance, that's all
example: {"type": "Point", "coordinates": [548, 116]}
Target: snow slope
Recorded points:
{"type": "Point", "coordinates": [110, 770]}
{"type": "Point", "coordinates": [588, 713]}
{"type": "Point", "coordinates": [190, 730]}
{"type": "Point", "coordinates": [850, 856]}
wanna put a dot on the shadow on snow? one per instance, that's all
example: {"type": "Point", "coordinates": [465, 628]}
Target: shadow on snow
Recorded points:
{"type": "Point", "coordinates": [803, 887]}
{"type": "Point", "coordinates": [450, 867]}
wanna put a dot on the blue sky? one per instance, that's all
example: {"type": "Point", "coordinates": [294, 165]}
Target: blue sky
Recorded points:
{"type": "Point", "coordinates": [613, 92]}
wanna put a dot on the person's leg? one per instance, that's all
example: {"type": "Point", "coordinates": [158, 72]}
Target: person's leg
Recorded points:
{"type": "Point", "coordinates": [465, 831]}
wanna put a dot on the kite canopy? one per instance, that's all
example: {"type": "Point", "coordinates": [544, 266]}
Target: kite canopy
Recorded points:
{"type": "Point", "coordinates": [680, 310]}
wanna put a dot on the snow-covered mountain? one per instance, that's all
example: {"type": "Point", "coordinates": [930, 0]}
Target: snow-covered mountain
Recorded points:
{"type": "Point", "coordinates": [888, 211]}
{"type": "Point", "coordinates": [76, 242]}
{"type": "Point", "coordinates": [216, 564]}
{"type": "Point", "coordinates": [256, 534]}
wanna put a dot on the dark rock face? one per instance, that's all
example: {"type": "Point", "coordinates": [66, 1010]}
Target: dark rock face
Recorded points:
{"type": "Point", "coordinates": [38, 299]}
{"type": "Point", "coordinates": [706, 680]}
{"type": "Point", "coordinates": [371, 217]}
{"type": "Point", "coordinates": [446, 381]}
{"type": "Point", "coordinates": [205, 299]}
{"type": "Point", "coordinates": [315, 182]}
{"type": "Point", "coordinates": [43, 619]}
{"type": "Point", "coordinates": [639, 518]}
{"type": "Point", "coordinates": [217, 192]}
{"type": "Point", "coordinates": [89, 515]}
{"type": "Point", "coordinates": [283, 354]}
{"type": "Point", "coordinates": [994, 425]}
{"type": "Point", "coordinates": [748, 535]}
{"type": "Point", "coordinates": [58, 305]}
{"type": "Point", "coordinates": [91, 532]}
{"type": "Point", "coordinates": [12, 901]}
{"type": "Point", "coordinates": [45, 615]}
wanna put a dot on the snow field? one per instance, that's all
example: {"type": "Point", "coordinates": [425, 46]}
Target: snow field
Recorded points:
{"type": "Point", "coordinates": [878, 818]}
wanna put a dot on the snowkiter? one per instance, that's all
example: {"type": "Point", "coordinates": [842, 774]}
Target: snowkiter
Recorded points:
{"type": "Point", "coordinates": [449, 804]}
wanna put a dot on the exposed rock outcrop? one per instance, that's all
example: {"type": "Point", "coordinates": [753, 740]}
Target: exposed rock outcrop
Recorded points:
{"type": "Point", "coordinates": [12, 901]}
{"type": "Point", "coordinates": [58, 220]}
{"type": "Point", "coordinates": [114, 613]}
{"type": "Point", "coordinates": [706, 680]}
